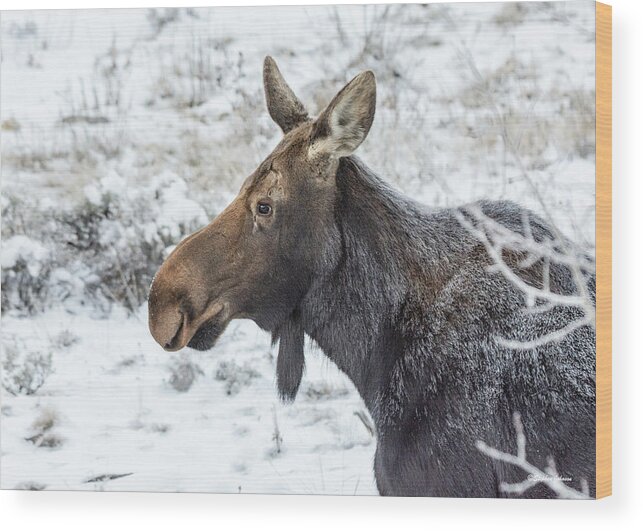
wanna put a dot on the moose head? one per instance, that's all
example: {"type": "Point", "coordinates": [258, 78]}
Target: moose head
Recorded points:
{"type": "Point", "coordinates": [257, 259]}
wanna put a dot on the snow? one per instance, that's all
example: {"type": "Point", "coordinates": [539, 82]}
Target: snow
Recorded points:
{"type": "Point", "coordinates": [118, 415]}
{"type": "Point", "coordinates": [159, 123]}
{"type": "Point", "coordinates": [23, 249]}
{"type": "Point", "coordinates": [177, 209]}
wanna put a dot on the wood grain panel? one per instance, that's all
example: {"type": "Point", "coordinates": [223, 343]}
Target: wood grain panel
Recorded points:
{"type": "Point", "coordinates": [603, 250]}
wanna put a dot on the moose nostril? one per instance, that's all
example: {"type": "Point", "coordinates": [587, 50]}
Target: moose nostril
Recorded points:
{"type": "Point", "coordinates": [175, 338]}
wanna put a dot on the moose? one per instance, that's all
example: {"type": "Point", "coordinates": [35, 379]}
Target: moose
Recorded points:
{"type": "Point", "coordinates": [400, 296]}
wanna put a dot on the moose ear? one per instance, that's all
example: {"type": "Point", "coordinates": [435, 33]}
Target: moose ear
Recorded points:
{"type": "Point", "coordinates": [343, 126]}
{"type": "Point", "coordinates": [283, 106]}
{"type": "Point", "coordinates": [290, 360]}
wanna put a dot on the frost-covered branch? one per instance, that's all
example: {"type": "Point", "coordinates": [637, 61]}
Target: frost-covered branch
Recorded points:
{"type": "Point", "coordinates": [497, 239]}
{"type": "Point", "coordinates": [553, 337]}
{"type": "Point", "coordinates": [535, 476]}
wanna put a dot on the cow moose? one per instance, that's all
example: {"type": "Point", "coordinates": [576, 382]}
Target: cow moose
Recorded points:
{"type": "Point", "coordinates": [399, 296]}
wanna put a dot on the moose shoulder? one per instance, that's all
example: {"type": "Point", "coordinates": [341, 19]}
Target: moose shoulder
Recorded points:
{"type": "Point", "coordinates": [400, 297]}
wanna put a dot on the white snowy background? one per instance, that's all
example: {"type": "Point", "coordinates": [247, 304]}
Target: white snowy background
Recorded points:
{"type": "Point", "coordinates": [125, 130]}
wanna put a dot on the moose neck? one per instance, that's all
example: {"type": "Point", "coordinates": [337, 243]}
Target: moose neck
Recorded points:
{"type": "Point", "coordinates": [354, 312]}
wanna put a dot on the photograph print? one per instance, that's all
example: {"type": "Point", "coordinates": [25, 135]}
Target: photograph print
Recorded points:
{"type": "Point", "coordinates": [345, 250]}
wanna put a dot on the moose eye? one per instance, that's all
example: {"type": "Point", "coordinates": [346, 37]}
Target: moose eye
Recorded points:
{"type": "Point", "coordinates": [264, 209]}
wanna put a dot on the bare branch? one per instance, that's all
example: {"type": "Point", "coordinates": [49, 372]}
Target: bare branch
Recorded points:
{"type": "Point", "coordinates": [535, 476]}
{"type": "Point", "coordinates": [495, 252]}
{"type": "Point", "coordinates": [553, 337]}
{"type": "Point", "coordinates": [497, 238]}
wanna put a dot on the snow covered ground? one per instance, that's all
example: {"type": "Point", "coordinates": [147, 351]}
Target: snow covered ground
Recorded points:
{"type": "Point", "coordinates": [115, 412]}
{"type": "Point", "coordinates": [124, 130]}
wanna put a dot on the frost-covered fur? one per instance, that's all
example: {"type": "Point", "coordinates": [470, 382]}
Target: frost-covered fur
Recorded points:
{"type": "Point", "coordinates": [411, 314]}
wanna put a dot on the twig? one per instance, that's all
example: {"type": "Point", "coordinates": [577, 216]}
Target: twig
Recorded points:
{"type": "Point", "coordinates": [553, 337]}
{"type": "Point", "coordinates": [107, 477]}
{"type": "Point", "coordinates": [367, 423]}
{"type": "Point", "coordinates": [496, 238]}
{"type": "Point", "coordinates": [548, 477]}
{"type": "Point", "coordinates": [532, 293]}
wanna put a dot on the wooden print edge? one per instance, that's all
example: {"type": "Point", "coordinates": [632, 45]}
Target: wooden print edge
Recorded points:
{"type": "Point", "coordinates": [603, 250]}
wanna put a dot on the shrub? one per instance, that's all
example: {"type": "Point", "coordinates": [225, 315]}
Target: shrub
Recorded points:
{"type": "Point", "coordinates": [183, 374]}
{"type": "Point", "coordinates": [102, 251]}
{"type": "Point", "coordinates": [235, 376]}
{"type": "Point", "coordinates": [116, 240]}
{"type": "Point", "coordinates": [324, 390]}
{"type": "Point", "coordinates": [30, 485]}
{"type": "Point", "coordinates": [26, 264]}
{"type": "Point", "coordinates": [64, 340]}
{"type": "Point", "coordinates": [42, 435]}
{"type": "Point", "coordinates": [159, 18]}
{"type": "Point", "coordinates": [191, 79]}
{"type": "Point", "coordinates": [24, 371]}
